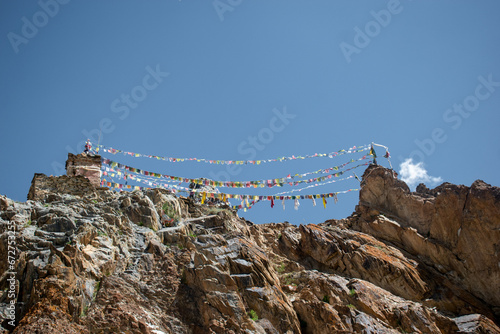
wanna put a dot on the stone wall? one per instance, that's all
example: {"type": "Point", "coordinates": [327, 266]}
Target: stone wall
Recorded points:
{"type": "Point", "coordinates": [85, 165]}
{"type": "Point", "coordinates": [83, 177]}
{"type": "Point", "coordinates": [49, 188]}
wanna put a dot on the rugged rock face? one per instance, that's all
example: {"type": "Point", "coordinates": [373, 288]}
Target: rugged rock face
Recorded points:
{"type": "Point", "coordinates": [89, 260]}
{"type": "Point", "coordinates": [454, 230]}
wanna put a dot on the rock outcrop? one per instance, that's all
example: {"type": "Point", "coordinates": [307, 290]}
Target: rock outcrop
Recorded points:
{"type": "Point", "coordinates": [89, 260]}
{"type": "Point", "coordinates": [453, 230]}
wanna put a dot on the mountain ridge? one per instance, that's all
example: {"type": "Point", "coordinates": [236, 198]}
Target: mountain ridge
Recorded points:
{"type": "Point", "coordinates": [90, 260]}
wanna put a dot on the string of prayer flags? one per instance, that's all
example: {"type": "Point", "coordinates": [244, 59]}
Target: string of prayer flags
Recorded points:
{"type": "Point", "coordinates": [314, 185]}
{"type": "Point", "coordinates": [353, 149]}
{"type": "Point", "coordinates": [147, 180]}
{"type": "Point", "coordinates": [239, 196]}
{"type": "Point", "coordinates": [120, 186]}
{"type": "Point", "coordinates": [174, 183]}
{"type": "Point", "coordinates": [171, 187]}
{"type": "Point", "coordinates": [324, 171]}
{"type": "Point", "coordinates": [245, 203]}
{"type": "Point", "coordinates": [296, 199]}
{"type": "Point", "coordinates": [280, 182]}
{"type": "Point", "coordinates": [175, 188]}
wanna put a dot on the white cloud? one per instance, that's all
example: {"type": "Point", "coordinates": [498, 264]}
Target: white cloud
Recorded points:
{"type": "Point", "coordinates": [413, 174]}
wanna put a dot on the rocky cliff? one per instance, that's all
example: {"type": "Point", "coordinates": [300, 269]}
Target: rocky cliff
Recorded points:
{"type": "Point", "coordinates": [89, 260]}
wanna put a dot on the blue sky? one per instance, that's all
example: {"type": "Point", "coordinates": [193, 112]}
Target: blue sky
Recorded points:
{"type": "Point", "coordinates": [202, 78]}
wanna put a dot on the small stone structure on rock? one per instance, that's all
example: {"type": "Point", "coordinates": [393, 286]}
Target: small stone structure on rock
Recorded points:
{"type": "Point", "coordinates": [85, 165]}
{"type": "Point", "coordinates": [48, 188]}
{"type": "Point", "coordinates": [83, 176]}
